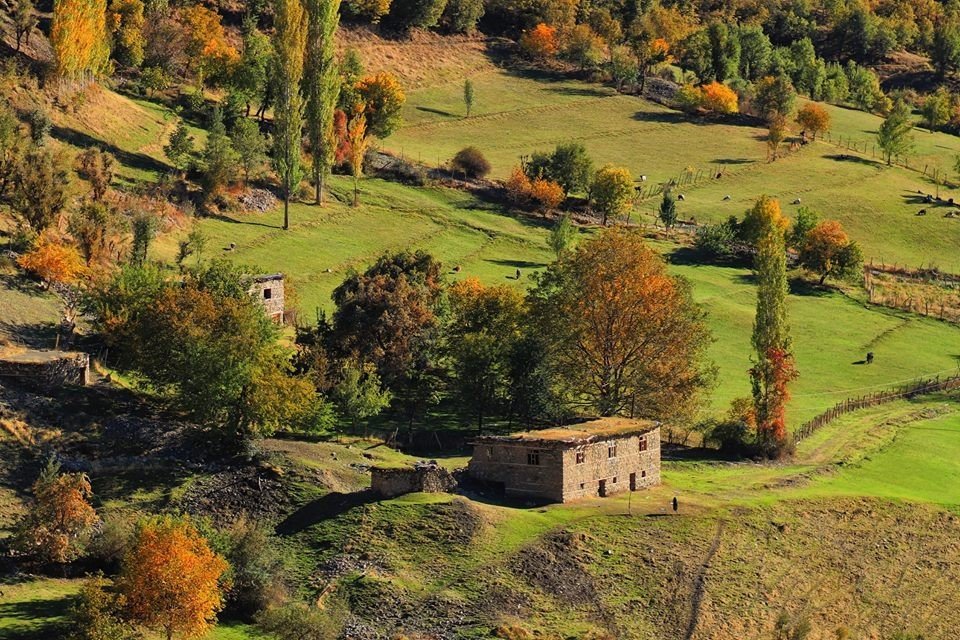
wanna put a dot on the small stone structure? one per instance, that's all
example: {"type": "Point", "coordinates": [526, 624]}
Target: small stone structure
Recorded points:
{"type": "Point", "coordinates": [596, 458]}
{"type": "Point", "coordinates": [268, 290]}
{"type": "Point", "coordinates": [45, 368]}
{"type": "Point", "coordinates": [428, 477]}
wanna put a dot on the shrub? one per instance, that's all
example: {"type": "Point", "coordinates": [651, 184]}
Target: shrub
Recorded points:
{"type": "Point", "coordinates": [717, 240]}
{"type": "Point", "coordinates": [470, 162]}
{"type": "Point", "coordinates": [409, 14]}
{"type": "Point", "coordinates": [688, 98]}
{"type": "Point", "coordinates": [40, 126]}
{"type": "Point", "coordinates": [53, 262]}
{"type": "Point", "coordinates": [547, 194]}
{"type": "Point", "coordinates": [719, 98]}
{"type": "Point", "coordinates": [540, 42]}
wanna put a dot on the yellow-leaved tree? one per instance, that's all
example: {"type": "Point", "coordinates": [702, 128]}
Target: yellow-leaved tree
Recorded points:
{"type": "Point", "coordinates": [79, 37]}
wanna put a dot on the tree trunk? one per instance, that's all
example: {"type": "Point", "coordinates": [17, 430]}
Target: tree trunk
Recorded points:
{"type": "Point", "coordinates": [286, 208]}
{"type": "Point", "coordinates": [321, 182]}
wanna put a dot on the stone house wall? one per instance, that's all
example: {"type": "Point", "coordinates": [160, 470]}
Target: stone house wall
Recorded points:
{"type": "Point", "coordinates": [563, 472]}
{"type": "Point", "coordinates": [269, 291]}
{"type": "Point", "coordinates": [509, 464]}
{"type": "Point", "coordinates": [586, 467]}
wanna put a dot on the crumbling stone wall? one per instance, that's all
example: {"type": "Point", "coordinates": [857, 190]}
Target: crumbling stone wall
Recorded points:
{"type": "Point", "coordinates": [428, 477]}
{"type": "Point", "coordinates": [46, 368]}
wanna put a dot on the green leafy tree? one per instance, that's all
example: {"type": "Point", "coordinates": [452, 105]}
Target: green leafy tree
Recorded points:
{"type": "Point", "coordinates": [724, 51]}
{"type": "Point", "coordinates": [179, 149]}
{"type": "Point", "coordinates": [97, 613]}
{"type": "Point", "coordinates": [415, 14]}
{"type": "Point", "coordinates": [322, 87]}
{"type": "Point", "coordinates": [461, 16]}
{"type": "Point", "coordinates": [668, 209]}
{"type": "Point", "coordinates": [144, 231]}
{"type": "Point", "coordinates": [562, 236]}
{"type": "Point", "coordinates": [154, 79]}
{"type": "Point", "coordinates": [895, 134]}
{"type": "Point", "coordinates": [387, 314]}
{"type": "Point", "coordinates": [360, 395]}
{"type": "Point", "coordinates": [250, 146]}
{"type": "Point", "coordinates": [39, 187]}
{"type": "Point", "coordinates": [945, 48]}
{"type": "Point", "coordinates": [774, 96]}
{"type": "Point", "coordinates": [570, 166]}
{"type": "Point", "coordinates": [468, 95]}
{"type": "Point", "coordinates": [623, 66]}
{"type": "Point", "coordinates": [582, 47]}
{"type": "Point", "coordinates": [806, 220]}
{"type": "Point", "coordinates": [937, 108]}
{"type": "Point", "coordinates": [289, 45]}
{"type": "Point", "coordinates": [865, 91]}
{"type": "Point", "coordinates": [482, 329]}
{"type": "Point", "coordinates": [351, 71]}
{"type": "Point", "coordinates": [219, 158]}
{"type": "Point", "coordinates": [755, 52]}
{"type": "Point", "coordinates": [836, 86]}
{"type": "Point", "coordinates": [382, 99]}
{"type": "Point", "coordinates": [250, 77]}
{"type": "Point", "coordinates": [612, 192]}
{"type": "Point", "coordinates": [809, 70]}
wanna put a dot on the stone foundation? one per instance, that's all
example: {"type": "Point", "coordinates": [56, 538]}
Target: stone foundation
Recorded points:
{"type": "Point", "coordinates": [428, 477]}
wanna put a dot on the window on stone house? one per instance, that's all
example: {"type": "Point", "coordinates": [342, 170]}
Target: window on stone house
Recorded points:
{"type": "Point", "coordinates": [643, 474]}
{"type": "Point", "coordinates": [614, 479]}
{"type": "Point", "coordinates": [581, 457]}
{"type": "Point", "coordinates": [612, 450]}
{"type": "Point", "coordinates": [533, 457]}
{"type": "Point", "coordinates": [267, 294]}
{"type": "Point", "coordinates": [583, 485]}
{"type": "Point", "coordinates": [643, 443]}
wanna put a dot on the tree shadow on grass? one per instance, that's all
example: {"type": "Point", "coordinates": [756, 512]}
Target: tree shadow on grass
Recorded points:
{"type": "Point", "coordinates": [847, 157]}
{"type": "Point", "coordinates": [41, 335]}
{"type": "Point", "coordinates": [439, 112]}
{"type": "Point", "coordinates": [332, 505]}
{"type": "Point", "coordinates": [130, 159]}
{"type": "Point", "coordinates": [225, 218]}
{"type": "Point", "coordinates": [733, 161]}
{"type": "Point", "coordinates": [21, 284]}
{"type": "Point", "coordinates": [809, 289]}
{"type": "Point", "coordinates": [586, 92]}
{"type": "Point", "coordinates": [518, 264]}
{"type": "Point", "coordinates": [30, 612]}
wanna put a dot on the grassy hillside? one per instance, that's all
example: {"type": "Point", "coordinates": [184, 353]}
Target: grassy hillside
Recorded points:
{"type": "Point", "coordinates": [325, 243]}
{"type": "Point", "coordinates": [516, 115]}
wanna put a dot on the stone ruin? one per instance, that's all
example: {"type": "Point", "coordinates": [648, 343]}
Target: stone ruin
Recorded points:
{"type": "Point", "coordinates": [428, 477]}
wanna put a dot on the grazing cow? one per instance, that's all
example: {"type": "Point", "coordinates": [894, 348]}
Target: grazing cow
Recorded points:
{"type": "Point", "coordinates": [797, 201]}
{"type": "Point", "coordinates": [922, 212]}
{"type": "Point", "coordinates": [680, 196]}
{"type": "Point", "coordinates": [727, 197]}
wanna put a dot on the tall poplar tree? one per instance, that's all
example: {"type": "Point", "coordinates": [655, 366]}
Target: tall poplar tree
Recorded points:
{"type": "Point", "coordinates": [773, 367]}
{"type": "Point", "coordinates": [289, 44]}
{"type": "Point", "coordinates": [78, 36]}
{"type": "Point", "coordinates": [321, 86]}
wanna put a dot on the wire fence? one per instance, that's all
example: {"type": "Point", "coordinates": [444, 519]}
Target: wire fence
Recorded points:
{"type": "Point", "coordinates": [916, 388]}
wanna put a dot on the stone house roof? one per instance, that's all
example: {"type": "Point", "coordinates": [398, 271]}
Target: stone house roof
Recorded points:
{"type": "Point", "coordinates": [576, 434]}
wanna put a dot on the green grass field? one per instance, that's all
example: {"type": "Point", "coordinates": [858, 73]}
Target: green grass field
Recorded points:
{"type": "Point", "coordinates": [516, 116]}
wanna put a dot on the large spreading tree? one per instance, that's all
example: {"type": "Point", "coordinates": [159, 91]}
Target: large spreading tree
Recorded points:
{"type": "Point", "coordinates": [624, 337]}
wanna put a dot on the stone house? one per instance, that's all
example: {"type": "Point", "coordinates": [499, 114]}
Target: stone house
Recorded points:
{"type": "Point", "coordinates": [595, 458]}
{"type": "Point", "coordinates": [268, 290]}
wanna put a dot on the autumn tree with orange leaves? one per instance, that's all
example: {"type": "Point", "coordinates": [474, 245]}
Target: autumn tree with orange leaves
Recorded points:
{"type": "Point", "coordinates": [208, 51]}
{"type": "Point", "coordinates": [773, 367]}
{"type": "Point", "coordinates": [828, 252]}
{"type": "Point", "coordinates": [171, 579]}
{"type": "Point", "coordinates": [61, 519]}
{"type": "Point", "coordinates": [540, 42]}
{"type": "Point", "coordinates": [624, 337]}
{"type": "Point", "coordinates": [719, 98]}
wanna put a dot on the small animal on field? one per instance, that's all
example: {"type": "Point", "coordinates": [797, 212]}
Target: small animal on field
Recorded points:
{"type": "Point", "coordinates": [727, 197]}
{"type": "Point", "coordinates": [680, 196]}
{"type": "Point", "coordinates": [870, 357]}
{"type": "Point", "coordinates": [922, 212]}
{"type": "Point", "coordinates": [796, 201]}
